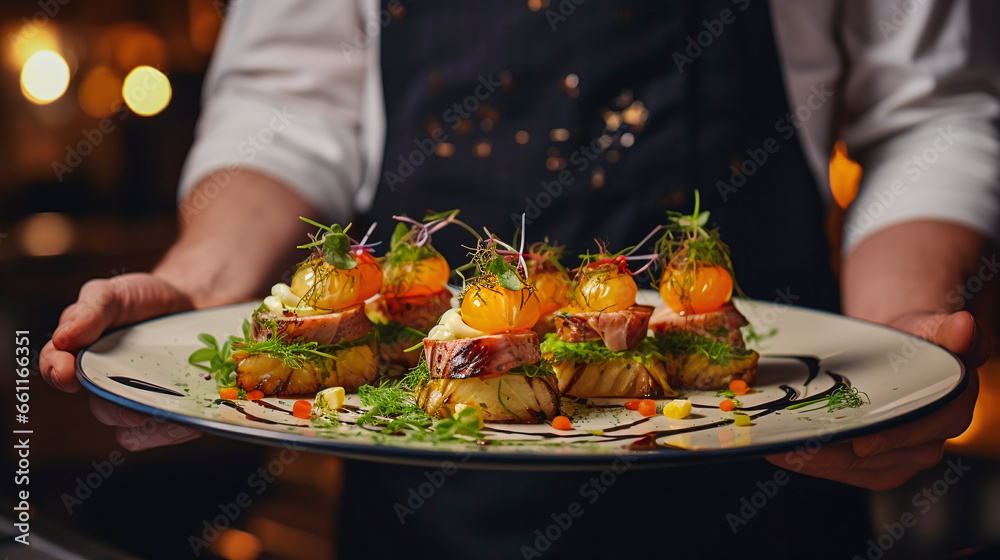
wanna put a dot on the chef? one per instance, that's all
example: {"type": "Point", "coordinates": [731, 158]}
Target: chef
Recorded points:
{"type": "Point", "coordinates": [593, 119]}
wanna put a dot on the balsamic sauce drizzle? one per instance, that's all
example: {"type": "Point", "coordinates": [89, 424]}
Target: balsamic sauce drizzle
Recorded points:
{"type": "Point", "coordinates": [641, 442]}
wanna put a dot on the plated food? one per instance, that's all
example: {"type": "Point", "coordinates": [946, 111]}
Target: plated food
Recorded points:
{"type": "Point", "coordinates": [600, 347]}
{"type": "Point", "coordinates": [520, 338]}
{"type": "Point", "coordinates": [314, 333]}
{"type": "Point", "coordinates": [414, 291]}
{"type": "Point", "coordinates": [699, 329]}
{"type": "Point", "coordinates": [484, 355]}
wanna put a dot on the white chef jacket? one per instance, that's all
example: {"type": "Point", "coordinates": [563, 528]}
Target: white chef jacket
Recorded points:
{"type": "Point", "coordinates": [294, 92]}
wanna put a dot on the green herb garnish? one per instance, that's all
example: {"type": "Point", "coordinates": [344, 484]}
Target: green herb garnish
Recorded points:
{"type": "Point", "coordinates": [595, 351]}
{"type": "Point", "coordinates": [679, 343]}
{"type": "Point", "coordinates": [843, 397]}
{"type": "Point", "coordinates": [464, 425]}
{"type": "Point", "coordinates": [750, 335]}
{"type": "Point", "coordinates": [393, 405]}
{"type": "Point", "coordinates": [505, 274]}
{"type": "Point", "coordinates": [297, 354]}
{"type": "Point", "coordinates": [217, 360]}
{"type": "Point", "coordinates": [333, 243]}
{"type": "Point", "coordinates": [686, 243]}
{"type": "Point", "coordinates": [541, 369]}
{"type": "Point", "coordinates": [393, 332]}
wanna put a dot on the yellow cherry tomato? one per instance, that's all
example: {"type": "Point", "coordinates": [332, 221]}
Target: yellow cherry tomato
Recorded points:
{"type": "Point", "coordinates": [552, 289]}
{"type": "Point", "coordinates": [423, 277]}
{"type": "Point", "coordinates": [329, 288]}
{"type": "Point", "coordinates": [605, 288]}
{"type": "Point", "coordinates": [493, 309]}
{"type": "Point", "coordinates": [697, 288]}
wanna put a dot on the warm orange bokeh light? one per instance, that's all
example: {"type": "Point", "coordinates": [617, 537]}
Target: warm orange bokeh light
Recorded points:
{"type": "Point", "coordinates": [234, 544]}
{"type": "Point", "coordinates": [205, 22]}
{"type": "Point", "coordinates": [22, 41]}
{"type": "Point", "coordinates": [99, 91]}
{"type": "Point", "coordinates": [845, 174]}
{"type": "Point", "coordinates": [146, 91]}
{"type": "Point", "coordinates": [47, 234]}
{"type": "Point", "coordinates": [134, 44]}
{"type": "Point", "coordinates": [44, 77]}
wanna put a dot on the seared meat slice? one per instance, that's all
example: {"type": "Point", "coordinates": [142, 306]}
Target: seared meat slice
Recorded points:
{"type": "Point", "coordinates": [620, 377]}
{"type": "Point", "coordinates": [723, 325]}
{"type": "Point", "coordinates": [509, 398]}
{"type": "Point", "coordinates": [349, 368]}
{"type": "Point", "coordinates": [418, 312]}
{"type": "Point", "coordinates": [619, 330]}
{"type": "Point", "coordinates": [698, 372]}
{"type": "Point", "coordinates": [329, 328]}
{"type": "Point", "coordinates": [483, 356]}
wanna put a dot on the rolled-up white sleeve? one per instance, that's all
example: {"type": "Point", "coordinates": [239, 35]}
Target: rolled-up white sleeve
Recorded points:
{"type": "Point", "coordinates": [283, 96]}
{"type": "Point", "coordinates": [921, 108]}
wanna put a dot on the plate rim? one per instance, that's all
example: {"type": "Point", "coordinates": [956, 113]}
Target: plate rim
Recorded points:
{"type": "Point", "coordinates": [429, 457]}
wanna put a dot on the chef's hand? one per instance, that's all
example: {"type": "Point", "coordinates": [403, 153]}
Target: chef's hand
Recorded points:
{"type": "Point", "coordinates": [890, 458]}
{"type": "Point", "coordinates": [103, 304]}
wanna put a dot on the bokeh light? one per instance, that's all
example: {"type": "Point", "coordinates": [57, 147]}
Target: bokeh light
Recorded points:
{"type": "Point", "coordinates": [135, 44]}
{"type": "Point", "coordinates": [99, 90]}
{"type": "Point", "coordinates": [146, 91]}
{"type": "Point", "coordinates": [205, 23]}
{"type": "Point", "coordinates": [44, 77]}
{"type": "Point", "coordinates": [234, 544]}
{"type": "Point", "coordinates": [46, 234]}
{"type": "Point", "coordinates": [845, 175]}
{"type": "Point", "coordinates": [27, 39]}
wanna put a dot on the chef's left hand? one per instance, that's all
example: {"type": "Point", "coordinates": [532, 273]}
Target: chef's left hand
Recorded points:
{"type": "Point", "coordinates": [888, 459]}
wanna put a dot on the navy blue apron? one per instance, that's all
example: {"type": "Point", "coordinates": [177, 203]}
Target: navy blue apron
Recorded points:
{"type": "Point", "coordinates": [593, 120]}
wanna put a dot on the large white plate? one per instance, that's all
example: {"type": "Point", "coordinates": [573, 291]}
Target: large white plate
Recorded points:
{"type": "Point", "coordinates": [144, 367]}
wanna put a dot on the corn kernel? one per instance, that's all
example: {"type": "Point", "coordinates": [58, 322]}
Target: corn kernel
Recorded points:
{"type": "Point", "coordinates": [677, 409]}
{"type": "Point", "coordinates": [330, 399]}
{"type": "Point", "coordinates": [741, 420]}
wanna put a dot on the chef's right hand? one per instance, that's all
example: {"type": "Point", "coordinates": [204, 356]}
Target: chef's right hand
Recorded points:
{"type": "Point", "coordinates": [102, 304]}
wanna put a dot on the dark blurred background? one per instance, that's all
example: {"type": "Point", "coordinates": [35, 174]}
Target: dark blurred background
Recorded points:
{"type": "Point", "coordinates": [87, 190]}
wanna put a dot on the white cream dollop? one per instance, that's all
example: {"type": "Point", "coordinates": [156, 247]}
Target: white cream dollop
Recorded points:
{"type": "Point", "coordinates": [451, 327]}
{"type": "Point", "coordinates": [282, 299]}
